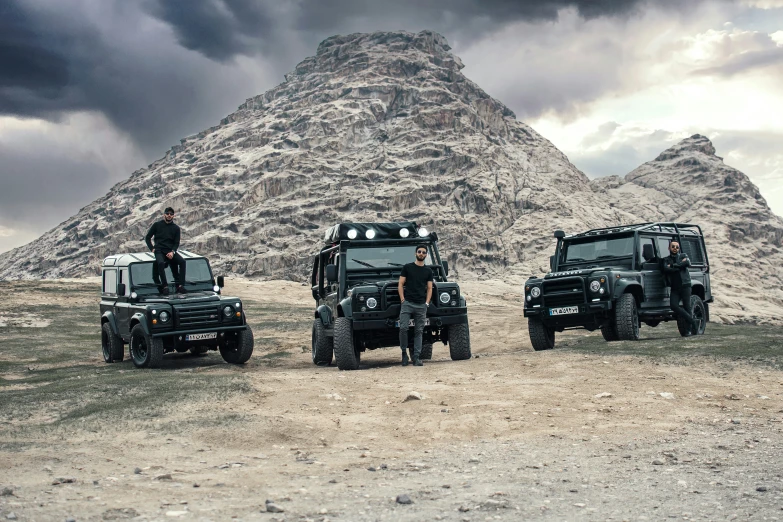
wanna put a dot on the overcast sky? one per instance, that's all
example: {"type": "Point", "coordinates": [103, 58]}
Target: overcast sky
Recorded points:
{"type": "Point", "coordinates": [91, 90]}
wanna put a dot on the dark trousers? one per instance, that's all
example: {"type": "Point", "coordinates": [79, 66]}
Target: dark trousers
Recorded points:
{"type": "Point", "coordinates": [417, 312]}
{"type": "Point", "coordinates": [682, 293]}
{"type": "Point", "coordinates": [177, 265]}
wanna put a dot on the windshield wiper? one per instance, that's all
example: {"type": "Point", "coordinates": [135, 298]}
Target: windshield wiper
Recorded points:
{"type": "Point", "coordinates": [146, 285]}
{"type": "Point", "coordinates": [396, 264]}
{"type": "Point", "coordinates": [198, 282]}
{"type": "Point", "coordinates": [368, 265]}
{"type": "Point", "coordinates": [608, 256]}
{"type": "Point", "coordinates": [574, 260]}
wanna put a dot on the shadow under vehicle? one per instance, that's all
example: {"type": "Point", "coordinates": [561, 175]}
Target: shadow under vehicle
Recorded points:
{"type": "Point", "coordinates": [134, 312]}
{"type": "Point", "coordinates": [354, 283]}
{"type": "Point", "coordinates": [611, 279]}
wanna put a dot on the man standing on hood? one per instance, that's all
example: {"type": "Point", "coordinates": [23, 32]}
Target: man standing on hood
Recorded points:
{"type": "Point", "coordinates": [167, 234]}
{"type": "Point", "coordinates": [675, 268]}
{"type": "Point", "coordinates": [415, 289]}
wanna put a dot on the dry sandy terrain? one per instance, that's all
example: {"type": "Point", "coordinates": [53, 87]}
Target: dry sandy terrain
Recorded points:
{"type": "Point", "coordinates": [510, 434]}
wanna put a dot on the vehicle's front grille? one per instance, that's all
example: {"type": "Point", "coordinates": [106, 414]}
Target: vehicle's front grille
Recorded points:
{"type": "Point", "coordinates": [392, 296]}
{"type": "Point", "coordinates": [197, 315]}
{"type": "Point", "coordinates": [564, 292]}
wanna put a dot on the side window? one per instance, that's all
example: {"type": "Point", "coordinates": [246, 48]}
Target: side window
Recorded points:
{"type": "Point", "coordinates": [124, 280]}
{"type": "Point", "coordinates": [663, 246]}
{"type": "Point", "coordinates": [646, 243]}
{"type": "Point", "coordinates": [692, 247]}
{"type": "Point", "coordinates": [110, 281]}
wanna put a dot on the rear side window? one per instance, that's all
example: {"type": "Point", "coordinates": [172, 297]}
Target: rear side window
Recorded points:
{"type": "Point", "coordinates": [663, 246]}
{"type": "Point", "coordinates": [109, 281]}
{"type": "Point", "coordinates": [692, 247]}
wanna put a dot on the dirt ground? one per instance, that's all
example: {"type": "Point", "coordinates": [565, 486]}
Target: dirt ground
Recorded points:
{"type": "Point", "coordinates": [661, 428]}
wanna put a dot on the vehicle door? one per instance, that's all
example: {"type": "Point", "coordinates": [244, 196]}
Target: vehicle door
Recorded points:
{"type": "Point", "coordinates": [652, 276]}
{"type": "Point", "coordinates": [663, 251]}
{"type": "Point", "coordinates": [332, 290]}
{"type": "Point", "coordinates": [121, 305]}
{"type": "Point", "coordinates": [692, 247]}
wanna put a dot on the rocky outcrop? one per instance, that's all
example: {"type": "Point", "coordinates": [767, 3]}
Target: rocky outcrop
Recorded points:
{"type": "Point", "coordinates": [384, 126]}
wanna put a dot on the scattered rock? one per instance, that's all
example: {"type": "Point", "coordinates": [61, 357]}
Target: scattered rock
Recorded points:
{"type": "Point", "coordinates": [119, 514]}
{"type": "Point", "coordinates": [474, 461]}
{"type": "Point", "coordinates": [11, 516]}
{"type": "Point", "coordinates": [176, 513]}
{"type": "Point", "coordinates": [761, 488]}
{"type": "Point", "coordinates": [271, 507]}
{"type": "Point", "coordinates": [658, 462]}
{"type": "Point", "coordinates": [63, 480]}
{"type": "Point", "coordinates": [463, 509]}
{"type": "Point", "coordinates": [666, 395]}
{"type": "Point", "coordinates": [603, 395]}
{"type": "Point", "coordinates": [165, 476]}
{"type": "Point", "coordinates": [413, 396]}
{"type": "Point", "coordinates": [70, 519]}
{"type": "Point", "coordinates": [384, 466]}
{"type": "Point", "coordinates": [371, 468]}
{"type": "Point", "coordinates": [137, 471]}
{"type": "Point", "coordinates": [579, 505]}
{"type": "Point", "coordinates": [404, 499]}
{"type": "Point", "coordinates": [735, 421]}
{"type": "Point", "coordinates": [6, 492]}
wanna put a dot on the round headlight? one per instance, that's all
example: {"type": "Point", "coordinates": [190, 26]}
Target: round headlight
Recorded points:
{"type": "Point", "coordinates": [535, 291]}
{"type": "Point", "coordinates": [372, 302]}
{"type": "Point", "coordinates": [228, 311]}
{"type": "Point", "coordinates": [529, 298]}
{"type": "Point", "coordinates": [423, 232]}
{"type": "Point", "coordinates": [134, 295]}
{"type": "Point", "coordinates": [164, 316]}
{"type": "Point", "coordinates": [216, 288]}
{"type": "Point", "coordinates": [369, 234]}
{"type": "Point", "coordinates": [352, 234]}
{"type": "Point", "coordinates": [594, 286]}
{"type": "Point", "coordinates": [404, 232]}
{"type": "Point", "coordinates": [445, 297]}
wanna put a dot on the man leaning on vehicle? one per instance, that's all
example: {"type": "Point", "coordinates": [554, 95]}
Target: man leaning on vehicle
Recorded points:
{"type": "Point", "coordinates": [415, 289]}
{"type": "Point", "coordinates": [675, 268]}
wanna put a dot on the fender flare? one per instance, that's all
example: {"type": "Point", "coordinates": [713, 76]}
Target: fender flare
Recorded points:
{"type": "Point", "coordinates": [140, 318]}
{"type": "Point", "coordinates": [324, 313]}
{"type": "Point", "coordinates": [345, 307]}
{"type": "Point", "coordinates": [624, 287]}
{"type": "Point", "coordinates": [108, 317]}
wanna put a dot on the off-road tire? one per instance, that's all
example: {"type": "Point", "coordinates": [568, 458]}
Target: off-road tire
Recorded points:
{"type": "Point", "coordinates": [345, 354]}
{"type": "Point", "coordinates": [609, 333]}
{"type": "Point", "coordinates": [322, 344]}
{"type": "Point", "coordinates": [238, 347]}
{"type": "Point", "coordinates": [145, 351]}
{"type": "Point", "coordinates": [541, 337]}
{"type": "Point", "coordinates": [198, 350]}
{"type": "Point", "coordinates": [426, 351]}
{"type": "Point", "coordinates": [111, 345]}
{"type": "Point", "coordinates": [699, 312]}
{"type": "Point", "coordinates": [459, 342]}
{"type": "Point", "coordinates": [626, 318]}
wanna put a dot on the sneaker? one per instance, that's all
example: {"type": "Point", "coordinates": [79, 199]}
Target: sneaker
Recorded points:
{"type": "Point", "coordinates": [405, 358]}
{"type": "Point", "coordinates": [417, 362]}
{"type": "Point", "coordinates": [181, 289]}
{"type": "Point", "coordinates": [165, 291]}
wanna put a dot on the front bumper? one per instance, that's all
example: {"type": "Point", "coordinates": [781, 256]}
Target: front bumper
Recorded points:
{"type": "Point", "coordinates": [177, 333]}
{"type": "Point", "coordinates": [386, 319]}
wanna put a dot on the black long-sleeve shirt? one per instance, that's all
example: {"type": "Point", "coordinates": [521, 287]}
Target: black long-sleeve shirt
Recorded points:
{"type": "Point", "coordinates": [166, 236]}
{"type": "Point", "coordinates": [675, 267]}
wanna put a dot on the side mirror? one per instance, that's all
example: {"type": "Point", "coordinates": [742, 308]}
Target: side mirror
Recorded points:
{"type": "Point", "coordinates": [221, 282]}
{"type": "Point", "coordinates": [445, 267]}
{"type": "Point", "coordinates": [559, 234]}
{"type": "Point", "coordinates": [121, 289]}
{"type": "Point", "coordinates": [331, 273]}
{"type": "Point", "coordinates": [552, 263]}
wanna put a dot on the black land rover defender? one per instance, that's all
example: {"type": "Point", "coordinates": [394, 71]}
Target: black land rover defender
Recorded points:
{"type": "Point", "coordinates": [611, 278]}
{"type": "Point", "coordinates": [134, 312]}
{"type": "Point", "coordinates": [354, 282]}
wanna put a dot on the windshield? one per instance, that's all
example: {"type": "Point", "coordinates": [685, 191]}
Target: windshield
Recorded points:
{"type": "Point", "coordinates": [145, 274]}
{"type": "Point", "coordinates": [595, 249]}
{"type": "Point", "coordinates": [384, 257]}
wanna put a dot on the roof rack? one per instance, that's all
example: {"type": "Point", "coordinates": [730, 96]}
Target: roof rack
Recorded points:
{"type": "Point", "coordinates": [666, 227]}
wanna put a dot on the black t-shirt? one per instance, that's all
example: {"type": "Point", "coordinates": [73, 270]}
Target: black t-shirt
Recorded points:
{"type": "Point", "coordinates": [416, 278]}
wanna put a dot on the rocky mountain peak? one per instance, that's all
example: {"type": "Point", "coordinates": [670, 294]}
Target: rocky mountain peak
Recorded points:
{"type": "Point", "coordinates": [688, 146]}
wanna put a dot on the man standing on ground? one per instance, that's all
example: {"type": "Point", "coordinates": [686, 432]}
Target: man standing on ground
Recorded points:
{"type": "Point", "coordinates": [167, 234]}
{"type": "Point", "coordinates": [415, 289]}
{"type": "Point", "coordinates": [675, 268]}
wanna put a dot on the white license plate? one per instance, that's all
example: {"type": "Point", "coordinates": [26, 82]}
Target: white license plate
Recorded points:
{"type": "Point", "coordinates": [201, 336]}
{"type": "Point", "coordinates": [564, 310]}
{"type": "Point", "coordinates": [410, 323]}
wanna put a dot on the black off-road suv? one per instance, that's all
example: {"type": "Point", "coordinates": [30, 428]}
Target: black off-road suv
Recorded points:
{"type": "Point", "coordinates": [611, 278]}
{"type": "Point", "coordinates": [134, 312]}
{"type": "Point", "coordinates": [354, 282]}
